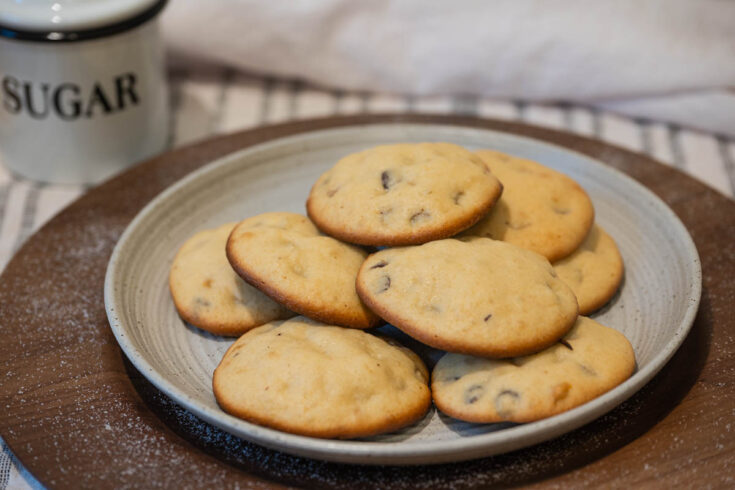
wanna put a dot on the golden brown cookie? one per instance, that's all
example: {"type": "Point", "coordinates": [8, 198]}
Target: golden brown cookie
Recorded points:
{"type": "Point", "coordinates": [286, 257]}
{"type": "Point", "coordinates": [590, 360]}
{"type": "Point", "coordinates": [593, 271]}
{"type": "Point", "coordinates": [475, 296]}
{"type": "Point", "coordinates": [402, 194]}
{"type": "Point", "coordinates": [210, 295]}
{"type": "Point", "coordinates": [317, 380]}
{"type": "Point", "coordinates": [540, 209]}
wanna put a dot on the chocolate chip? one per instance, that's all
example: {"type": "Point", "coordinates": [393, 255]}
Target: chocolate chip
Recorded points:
{"type": "Point", "coordinates": [202, 302]}
{"type": "Point", "coordinates": [473, 394]}
{"type": "Point", "coordinates": [420, 216]}
{"type": "Point", "coordinates": [505, 402]}
{"type": "Point", "coordinates": [383, 284]}
{"type": "Point", "coordinates": [489, 316]}
{"type": "Point", "coordinates": [387, 180]}
{"type": "Point", "coordinates": [457, 196]}
{"type": "Point", "coordinates": [587, 370]}
{"type": "Point", "coordinates": [379, 265]}
{"type": "Point", "coordinates": [565, 344]}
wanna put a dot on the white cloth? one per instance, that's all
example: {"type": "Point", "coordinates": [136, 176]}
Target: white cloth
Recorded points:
{"type": "Point", "coordinates": [669, 60]}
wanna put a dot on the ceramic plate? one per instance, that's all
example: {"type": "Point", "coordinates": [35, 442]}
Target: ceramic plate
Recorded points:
{"type": "Point", "coordinates": [654, 309]}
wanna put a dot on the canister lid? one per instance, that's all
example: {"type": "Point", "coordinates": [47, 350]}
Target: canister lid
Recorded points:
{"type": "Point", "coordinates": [70, 20]}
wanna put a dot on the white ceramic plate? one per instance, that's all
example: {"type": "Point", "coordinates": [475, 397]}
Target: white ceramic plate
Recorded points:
{"type": "Point", "coordinates": [655, 308]}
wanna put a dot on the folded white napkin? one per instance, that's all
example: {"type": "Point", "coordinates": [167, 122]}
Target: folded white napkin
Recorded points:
{"type": "Point", "coordinates": [671, 60]}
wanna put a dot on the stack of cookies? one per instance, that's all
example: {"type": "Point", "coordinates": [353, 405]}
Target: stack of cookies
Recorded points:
{"type": "Point", "coordinates": [486, 256]}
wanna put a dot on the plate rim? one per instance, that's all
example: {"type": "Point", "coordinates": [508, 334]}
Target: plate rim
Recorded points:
{"type": "Point", "coordinates": [411, 452]}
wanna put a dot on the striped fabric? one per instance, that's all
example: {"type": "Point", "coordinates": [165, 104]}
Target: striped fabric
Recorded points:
{"type": "Point", "coordinates": [206, 104]}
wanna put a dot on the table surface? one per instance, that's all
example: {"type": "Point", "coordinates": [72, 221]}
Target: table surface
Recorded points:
{"type": "Point", "coordinates": [61, 400]}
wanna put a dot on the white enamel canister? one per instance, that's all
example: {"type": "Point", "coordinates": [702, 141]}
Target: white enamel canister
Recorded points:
{"type": "Point", "coordinates": [82, 87]}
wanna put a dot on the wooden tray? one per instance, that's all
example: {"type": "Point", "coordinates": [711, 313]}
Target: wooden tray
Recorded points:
{"type": "Point", "coordinates": [77, 414]}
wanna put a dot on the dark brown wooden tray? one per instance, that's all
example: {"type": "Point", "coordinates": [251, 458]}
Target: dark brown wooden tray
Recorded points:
{"type": "Point", "coordinates": [77, 414]}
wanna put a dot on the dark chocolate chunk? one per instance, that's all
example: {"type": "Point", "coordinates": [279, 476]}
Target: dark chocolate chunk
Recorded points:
{"type": "Point", "coordinates": [420, 216]}
{"type": "Point", "coordinates": [505, 402]}
{"type": "Point", "coordinates": [587, 370]}
{"type": "Point", "coordinates": [489, 316]}
{"type": "Point", "coordinates": [473, 394]}
{"type": "Point", "coordinates": [386, 180]}
{"type": "Point", "coordinates": [201, 302]}
{"type": "Point", "coordinates": [379, 265]}
{"type": "Point", "coordinates": [457, 196]}
{"type": "Point", "coordinates": [383, 284]}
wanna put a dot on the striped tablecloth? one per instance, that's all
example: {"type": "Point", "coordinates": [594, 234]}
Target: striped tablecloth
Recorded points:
{"type": "Point", "coordinates": [215, 102]}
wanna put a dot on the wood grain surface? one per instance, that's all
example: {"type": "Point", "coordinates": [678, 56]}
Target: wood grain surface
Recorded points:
{"type": "Point", "coordinates": [77, 414]}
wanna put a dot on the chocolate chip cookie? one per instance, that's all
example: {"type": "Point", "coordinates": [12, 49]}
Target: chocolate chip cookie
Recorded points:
{"type": "Point", "coordinates": [593, 271]}
{"type": "Point", "coordinates": [209, 294]}
{"type": "Point", "coordinates": [588, 361]}
{"type": "Point", "coordinates": [475, 296]}
{"type": "Point", "coordinates": [403, 194]}
{"type": "Point", "coordinates": [309, 378]}
{"type": "Point", "coordinates": [541, 209]}
{"type": "Point", "coordinates": [286, 257]}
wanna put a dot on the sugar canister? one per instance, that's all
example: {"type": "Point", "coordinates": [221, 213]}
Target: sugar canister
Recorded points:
{"type": "Point", "coordinates": [82, 87]}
